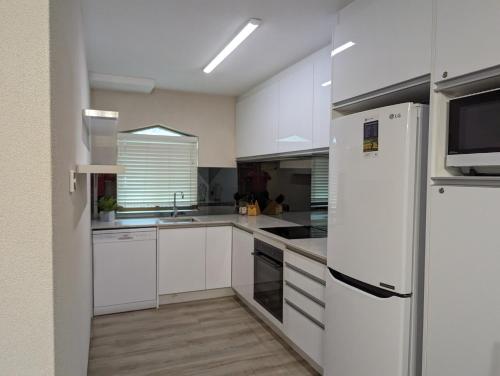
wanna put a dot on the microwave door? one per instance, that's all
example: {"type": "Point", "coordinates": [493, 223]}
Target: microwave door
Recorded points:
{"type": "Point", "coordinates": [474, 132]}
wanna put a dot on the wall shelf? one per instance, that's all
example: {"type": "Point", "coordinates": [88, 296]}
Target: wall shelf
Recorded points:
{"type": "Point", "coordinates": [100, 169]}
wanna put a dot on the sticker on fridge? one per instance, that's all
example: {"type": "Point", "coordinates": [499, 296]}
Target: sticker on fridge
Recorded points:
{"type": "Point", "coordinates": [370, 136]}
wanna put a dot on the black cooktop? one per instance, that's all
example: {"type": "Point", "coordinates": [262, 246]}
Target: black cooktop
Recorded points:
{"type": "Point", "coordinates": [297, 232]}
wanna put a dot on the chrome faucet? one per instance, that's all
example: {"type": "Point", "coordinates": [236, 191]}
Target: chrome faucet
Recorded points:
{"type": "Point", "coordinates": [174, 213]}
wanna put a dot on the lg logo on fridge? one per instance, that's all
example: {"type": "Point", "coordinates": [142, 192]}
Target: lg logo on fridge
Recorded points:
{"type": "Point", "coordinates": [394, 116]}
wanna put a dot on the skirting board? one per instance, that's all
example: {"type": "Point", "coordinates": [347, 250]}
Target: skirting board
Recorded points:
{"type": "Point", "coordinates": [195, 295]}
{"type": "Point", "coordinates": [280, 333]}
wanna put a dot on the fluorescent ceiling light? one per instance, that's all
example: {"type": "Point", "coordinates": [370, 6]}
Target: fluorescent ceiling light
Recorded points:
{"type": "Point", "coordinates": [327, 83]}
{"type": "Point", "coordinates": [244, 33]}
{"type": "Point", "coordinates": [344, 47]}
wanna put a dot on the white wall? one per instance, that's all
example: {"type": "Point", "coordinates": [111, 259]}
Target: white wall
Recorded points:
{"type": "Point", "coordinates": [45, 284]}
{"type": "Point", "coordinates": [71, 212]}
{"type": "Point", "coordinates": [210, 117]}
{"type": "Point", "coordinates": [26, 296]}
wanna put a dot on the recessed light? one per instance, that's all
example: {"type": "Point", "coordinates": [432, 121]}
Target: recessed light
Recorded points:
{"type": "Point", "coordinates": [243, 34]}
{"type": "Point", "coordinates": [344, 47]}
{"type": "Point", "coordinates": [327, 83]}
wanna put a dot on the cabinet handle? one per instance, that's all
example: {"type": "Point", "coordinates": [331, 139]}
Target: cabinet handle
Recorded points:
{"type": "Point", "coordinates": [305, 274]}
{"type": "Point", "coordinates": [125, 237]}
{"type": "Point", "coordinates": [305, 293]}
{"type": "Point", "coordinates": [305, 314]}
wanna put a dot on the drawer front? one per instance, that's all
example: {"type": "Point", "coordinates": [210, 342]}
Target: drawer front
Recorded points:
{"type": "Point", "coordinates": [314, 287]}
{"type": "Point", "coordinates": [312, 267]}
{"type": "Point", "coordinates": [309, 304]}
{"type": "Point", "coordinates": [304, 332]}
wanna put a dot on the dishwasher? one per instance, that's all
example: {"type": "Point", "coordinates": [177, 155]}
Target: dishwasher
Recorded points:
{"type": "Point", "coordinates": [124, 266]}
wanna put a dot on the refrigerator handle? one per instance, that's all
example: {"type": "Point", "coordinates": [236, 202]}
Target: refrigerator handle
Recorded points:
{"type": "Point", "coordinates": [365, 287]}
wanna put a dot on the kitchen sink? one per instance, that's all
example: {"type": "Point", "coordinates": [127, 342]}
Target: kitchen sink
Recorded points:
{"type": "Point", "coordinates": [177, 220]}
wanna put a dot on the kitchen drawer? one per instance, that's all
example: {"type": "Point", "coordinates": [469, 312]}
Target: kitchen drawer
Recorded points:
{"type": "Point", "coordinates": [306, 264]}
{"type": "Point", "coordinates": [312, 285]}
{"type": "Point", "coordinates": [305, 332]}
{"type": "Point", "coordinates": [302, 299]}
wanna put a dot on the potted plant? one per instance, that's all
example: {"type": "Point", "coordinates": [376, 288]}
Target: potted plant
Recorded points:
{"type": "Point", "coordinates": [107, 206]}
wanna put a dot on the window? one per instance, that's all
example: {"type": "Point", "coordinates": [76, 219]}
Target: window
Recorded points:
{"type": "Point", "coordinates": [319, 182]}
{"type": "Point", "coordinates": [158, 162]}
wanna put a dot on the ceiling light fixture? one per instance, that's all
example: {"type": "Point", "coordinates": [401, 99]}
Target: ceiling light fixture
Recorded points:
{"type": "Point", "coordinates": [327, 83]}
{"type": "Point", "coordinates": [244, 33]}
{"type": "Point", "coordinates": [344, 47]}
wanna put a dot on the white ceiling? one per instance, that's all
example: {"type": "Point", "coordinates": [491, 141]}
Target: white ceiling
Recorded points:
{"type": "Point", "coordinates": [170, 41]}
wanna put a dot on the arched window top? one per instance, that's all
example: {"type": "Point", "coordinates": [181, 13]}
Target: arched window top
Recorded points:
{"type": "Point", "coordinates": [159, 130]}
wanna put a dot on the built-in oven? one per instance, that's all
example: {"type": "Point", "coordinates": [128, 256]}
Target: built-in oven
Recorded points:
{"type": "Point", "coordinates": [268, 278]}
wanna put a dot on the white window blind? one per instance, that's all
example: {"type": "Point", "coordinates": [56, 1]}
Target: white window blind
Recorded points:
{"type": "Point", "coordinates": [155, 168]}
{"type": "Point", "coordinates": [319, 182]}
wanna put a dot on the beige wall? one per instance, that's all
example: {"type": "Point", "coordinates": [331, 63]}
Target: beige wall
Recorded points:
{"type": "Point", "coordinates": [210, 117]}
{"type": "Point", "coordinates": [45, 285]}
{"type": "Point", "coordinates": [26, 296]}
{"type": "Point", "coordinates": [71, 212]}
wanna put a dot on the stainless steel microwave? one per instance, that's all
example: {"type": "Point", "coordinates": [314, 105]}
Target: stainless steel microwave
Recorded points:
{"type": "Point", "coordinates": [474, 132]}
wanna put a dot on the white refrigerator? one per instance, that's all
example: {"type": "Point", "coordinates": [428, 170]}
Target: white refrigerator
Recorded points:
{"type": "Point", "coordinates": [376, 242]}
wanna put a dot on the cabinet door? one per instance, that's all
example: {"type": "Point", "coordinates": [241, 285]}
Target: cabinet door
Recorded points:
{"type": "Point", "coordinates": [322, 98]}
{"type": "Point", "coordinates": [392, 45]}
{"type": "Point", "coordinates": [242, 273]}
{"type": "Point", "coordinates": [296, 108]}
{"type": "Point", "coordinates": [181, 260]}
{"type": "Point", "coordinates": [466, 36]}
{"type": "Point", "coordinates": [257, 122]}
{"type": "Point", "coordinates": [218, 257]}
{"type": "Point", "coordinates": [462, 320]}
{"type": "Point", "coordinates": [244, 113]}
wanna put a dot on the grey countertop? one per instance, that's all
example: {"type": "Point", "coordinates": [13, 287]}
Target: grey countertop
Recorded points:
{"type": "Point", "coordinates": [314, 248]}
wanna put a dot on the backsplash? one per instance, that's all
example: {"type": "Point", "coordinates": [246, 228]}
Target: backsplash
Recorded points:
{"type": "Point", "coordinates": [288, 182]}
{"type": "Point", "coordinates": [266, 181]}
{"type": "Point", "coordinates": [216, 189]}
{"type": "Point", "coordinates": [217, 186]}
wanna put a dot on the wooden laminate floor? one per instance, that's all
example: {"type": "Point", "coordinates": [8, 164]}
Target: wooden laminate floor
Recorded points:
{"type": "Point", "coordinates": [211, 337]}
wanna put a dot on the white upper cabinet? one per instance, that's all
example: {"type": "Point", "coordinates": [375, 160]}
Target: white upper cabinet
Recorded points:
{"type": "Point", "coordinates": [392, 45]}
{"type": "Point", "coordinates": [466, 37]}
{"type": "Point", "coordinates": [289, 112]}
{"type": "Point", "coordinates": [296, 108]}
{"type": "Point", "coordinates": [322, 98]}
{"type": "Point", "coordinates": [257, 122]}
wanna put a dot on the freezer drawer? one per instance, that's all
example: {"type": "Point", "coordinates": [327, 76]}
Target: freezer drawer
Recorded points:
{"type": "Point", "coordinates": [366, 335]}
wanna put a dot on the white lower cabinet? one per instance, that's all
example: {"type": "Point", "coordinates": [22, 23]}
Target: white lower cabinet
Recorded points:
{"type": "Point", "coordinates": [304, 307]}
{"type": "Point", "coordinates": [181, 260]}
{"type": "Point", "coordinates": [218, 257]}
{"type": "Point", "coordinates": [194, 259]}
{"type": "Point", "coordinates": [304, 332]}
{"type": "Point", "coordinates": [242, 264]}
{"type": "Point", "coordinates": [462, 309]}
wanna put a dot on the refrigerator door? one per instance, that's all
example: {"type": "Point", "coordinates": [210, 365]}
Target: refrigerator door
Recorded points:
{"type": "Point", "coordinates": [367, 335]}
{"type": "Point", "coordinates": [374, 164]}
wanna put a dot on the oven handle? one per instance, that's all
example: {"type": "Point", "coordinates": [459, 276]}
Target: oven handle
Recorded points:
{"type": "Point", "coordinates": [268, 260]}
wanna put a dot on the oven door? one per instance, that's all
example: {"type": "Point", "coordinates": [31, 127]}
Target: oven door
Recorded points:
{"type": "Point", "coordinates": [268, 284]}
